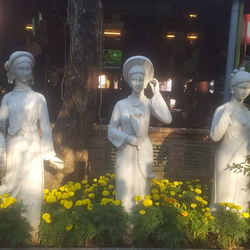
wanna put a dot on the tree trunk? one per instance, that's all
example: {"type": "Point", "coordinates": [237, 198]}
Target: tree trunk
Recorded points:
{"type": "Point", "coordinates": [77, 114]}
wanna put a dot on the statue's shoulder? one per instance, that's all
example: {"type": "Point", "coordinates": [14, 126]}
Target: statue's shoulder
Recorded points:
{"type": "Point", "coordinates": [38, 95]}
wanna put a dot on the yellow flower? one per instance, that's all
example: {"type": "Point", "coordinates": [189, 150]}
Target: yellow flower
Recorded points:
{"type": "Point", "coordinates": [154, 191]}
{"type": "Point", "coordinates": [91, 195]}
{"type": "Point", "coordinates": [110, 186]}
{"type": "Point", "coordinates": [94, 180]}
{"type": "Point", "coordinates": [46, 191]}
{"type": "Point", "coordinates": [156, 197]}
{"type": "Point", "coordinates": [184, 213]}
{"type": "Point", "coordinates": [71, 193]}
{"type": "Point", "coordinates": [68, 204]}
{"type": "Point", "coordinates": [105, 193]}
{"type": "Point", "coordinates": [176, 183]}
{"type": "Point", "coordinates": [78, 203]}
{"type": "Point", "coordinates": [50, 198]}
{"type": "Point", "coordinates": [142, 212]}
{"type": "Point", "coordinates": [90, 207]}
{"type": "Point", "coordinates": [137, 198]}
{"type": "Point", "coordinates": [157, 204]}
{"type": "Point", "coordinates": [147, 196]}
{"type": "Point", "coordinates": [65, 196]}
{"type": "Point", "coordinates": [245, 215]}
{"type": "Point", "coordinates": [86, 202]}
{"type": "Point", "coordinates": [112, 176]}
{"type": "Point", "coordinates": [102, 183]}
{"type": "Point", "coordinates": [84, 182]}
{"type": "Point", "coordinates": [193, 205]}
{"type": "Point", "coordinates": [46, 217]}
{"type": "Point", "coordinates": [117, 202]}
{"type": "Point", "coordinates": [198, 191]}
{"type": "Point", "coordinates": [238, 207]}
{"type": "Point", "coordinates": [58, 195]}
{"type": "Point", "coordinates": [77, 186]}
{"type": "Point", "coordinates": [8, 201]}
{"type": "Point", "coordinates": [208, 214]}
{"type": "Point", "coordinates": [69, 227]}
{"type": "Point", "coordinates": [172, 193]}
{"type": "Point", "coordinates": [147, 203]}
{"type": "Point", "coordinates": [62, 188]}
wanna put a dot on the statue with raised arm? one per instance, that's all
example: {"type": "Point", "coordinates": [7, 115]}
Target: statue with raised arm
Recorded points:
{"type": "Point", "coordinates": [128, 131]}
{"type": "Point", "coordinates": [231, 126]}
{"type": "Point", "coordinates": [24, 112]}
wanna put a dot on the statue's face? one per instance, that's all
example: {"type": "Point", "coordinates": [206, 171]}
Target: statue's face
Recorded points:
{"type": "Point", "coordinates": [137, 82]}
{"type": "Point", "coordinates": [22, 72]}
{"type": "Point", "coordinates": [241, 91]}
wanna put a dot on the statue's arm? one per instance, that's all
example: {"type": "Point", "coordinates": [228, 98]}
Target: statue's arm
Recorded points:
{"type": "Point", "coordinates": [158, 106]}
{"type": "Point", "coordinates": [47, 147]}
{"type": "Point", "coordinates": [115, 135]}
{"type": "Point", "coordinates": [220, 122]}
{"type": "Point", "coordinates": [4, 113]}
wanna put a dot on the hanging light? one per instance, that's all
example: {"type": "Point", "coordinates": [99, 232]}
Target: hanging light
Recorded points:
{"type": "Point", "coordinates": [29, 27]}
{"type": "Point", "coordinates": [114, 33]}
{"type": "Point", "coordinates": [192, 36]}
{"type": "Point", "coordinates": [170, 36]}
{"type": "Point", "coordinates": [192, 15]}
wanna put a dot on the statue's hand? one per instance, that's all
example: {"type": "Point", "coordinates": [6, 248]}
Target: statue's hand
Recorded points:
{"type": "Point", "coordinates": [155, 86]}
{"type": "Point", "coordinates": [133, 141]}
{"type": "Point", "coordinates": [56, 162]}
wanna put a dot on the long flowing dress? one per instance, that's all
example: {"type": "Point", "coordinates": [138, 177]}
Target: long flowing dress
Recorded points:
{"type": "Point", "coordinates": [233, 131]}
{"type": "Point", "coordinates": [25, 112]}
{"type": "Point", "coordinates": [134, 164]}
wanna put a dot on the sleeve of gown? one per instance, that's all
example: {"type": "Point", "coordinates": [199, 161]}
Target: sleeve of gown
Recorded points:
{"type": "Point", "coordinates": [4, 113]}
{"type": "Point", "coordinates": [220, 122]}
{"type": "Point", "coordinates": [160, 109]}
{"type": "Point", "coordinates": [115, 135]}
{"type": "Point", "coordinates": [47, 147]}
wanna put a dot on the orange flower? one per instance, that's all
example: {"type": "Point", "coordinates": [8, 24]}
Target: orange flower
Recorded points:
{"type": "Point", "coordinates": [184, 213]}
{"type": "Point", "coordinates": [170, 200]}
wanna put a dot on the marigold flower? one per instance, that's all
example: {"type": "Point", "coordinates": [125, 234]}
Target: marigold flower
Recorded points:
{"type": "Point", "coordinates": [169, 200]}
{"type": "Point", "coordinates": [172, 193]}
{"type": "Point", "coordinates": [142, 212]}
{"type": "Point", "coordinates": [184, 213]}
{"type": "Point", "coordinates": [245, 215]}
{"type": "Point", "coordinates": [198, 191]}
{"type": "Point", "coordinates": [90, 207]}
{"type": "Point", "coordinates": [84, 182]}
{"type": "Point", "coordinates": [46, 191]}
{"type": "Point", "coordinates": [193, 205]}
{"type": "Point", "coordinates": [68, 204]}
{"type": "Point", "coordinates": [78, 203]}
{"type": "Point", "coordinates": [112, 176]}
{"type": "Point", "coordinates": [137, 198]}
{"type": "Point", "coordinates": [8, 201]}
{"type": "Point", "coordinates": [156, 197]}
{"type": "Point", "coordinates": [91, 195]}
{"type": "Point", "coordinates": [77, 186]}
{"type": "Point", "coordinates": [147, 203]}
{"type": "Point", "coordinates": [50, 198]}
{"type": "Point", "coordinates": [46, 217]}
{"type": "Point", "coordinates": [111, 186]}
{"type": "Point", "coordinates": [105, 193]}
{"type": "Point", "coordinates": [71, 194]}
{"type": "Point", "coordinates": [69, 227]}
{"type": "Point", "coordinates": [154, 191]}
{"type": "Point", "coordinates": [117, 202]}
{"type": "Point", "coordinates": [86, 202]}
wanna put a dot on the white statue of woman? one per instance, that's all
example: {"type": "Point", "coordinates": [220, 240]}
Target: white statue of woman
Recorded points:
{"type": "Point", "coordinates": [231, 126]}
{"type": "Point", "coordinates": [128, 131]}
{"type": "Point", "coordinates": [25, 112]}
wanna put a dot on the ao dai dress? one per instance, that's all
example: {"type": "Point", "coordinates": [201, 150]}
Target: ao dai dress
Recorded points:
{"type": "Point", "coordinates": [25, 111]}
{"type": "Point", "coordinates": [233, 131]}
{"type": "Point", "coordinates": [134, 164]}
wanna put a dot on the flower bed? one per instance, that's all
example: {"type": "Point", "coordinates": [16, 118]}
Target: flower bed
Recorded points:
{"type": "Point", "coordinates": [175, 214]}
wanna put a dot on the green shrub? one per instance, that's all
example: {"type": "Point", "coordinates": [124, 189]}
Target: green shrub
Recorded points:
{"type": "Point", "coordinates": [14, 228]}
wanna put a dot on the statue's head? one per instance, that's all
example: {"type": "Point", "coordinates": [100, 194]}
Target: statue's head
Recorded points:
{"type": "Point", "coordinates": [138, 71]}
{"type": "Point", "coordinates": [19, 67]}
{"type": "Point", "coordinates": [240, 83]}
